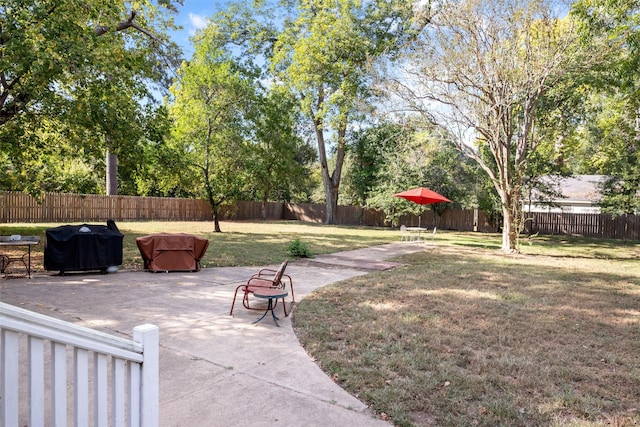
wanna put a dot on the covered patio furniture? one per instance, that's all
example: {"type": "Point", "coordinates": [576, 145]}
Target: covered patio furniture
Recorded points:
{"type": "Point", "coordinates": [172, 251]}
{"type": "Point", "coordinates": [265, 278]}
{"type": "Point", "coordinates": [83, 247]}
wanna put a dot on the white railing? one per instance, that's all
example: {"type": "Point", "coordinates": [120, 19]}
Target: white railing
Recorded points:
{"type": "Point", "coordinates": [125, 391]}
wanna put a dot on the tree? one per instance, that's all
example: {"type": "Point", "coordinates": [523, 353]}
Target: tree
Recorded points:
{"type": "Point", "coordinates": [280, 156]}
{"type": "Point", "coordinates": [59, 57]}
{"type": "Point", "coordinates": [417, 156]}
{"type": "Point", "coordinates": [612, 131]}
{"type": "Point", "coordinates": [213, 98]}
{"type": "Point", "coordinates": [161, 168]}
{"type": "Point", "coordinates": [324, 54]}
{"type": "Point", "coordinates": [611, 146]}
{"type": "Point", "coordinates": [368, 150]}
{"type": "Point", "coordinates": [479, 71]}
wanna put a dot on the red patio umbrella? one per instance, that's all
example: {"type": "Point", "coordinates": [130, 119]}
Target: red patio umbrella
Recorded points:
{"type": "Point", "coordinates": [422, 196]}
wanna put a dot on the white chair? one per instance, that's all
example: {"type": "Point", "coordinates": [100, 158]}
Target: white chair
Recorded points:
{"type": "Point", "coordinates": [406, 236]}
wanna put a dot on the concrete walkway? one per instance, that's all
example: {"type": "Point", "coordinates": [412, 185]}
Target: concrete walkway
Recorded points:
{"type": "Point", "coordinates": [215, 369]}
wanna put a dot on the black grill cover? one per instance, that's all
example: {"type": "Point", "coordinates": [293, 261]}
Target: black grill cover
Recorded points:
{"type": "Point", "coordinates": [83, 247]}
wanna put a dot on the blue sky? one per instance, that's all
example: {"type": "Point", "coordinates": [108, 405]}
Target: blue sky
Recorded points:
{"type": "Point", "coordinates": [191, 17]}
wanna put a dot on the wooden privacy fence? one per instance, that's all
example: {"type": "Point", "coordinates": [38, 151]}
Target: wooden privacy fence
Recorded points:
{"type": "Point", "coordinates": [453, 219]}
{"type": "Point", "coordinates": [20, 207]}
{"type": "Point", "coordinates": [458, 219]}
{"type": "Point", "coordinates": [604, 226]}
{"type": "Point", "coordinates": [242, 211]}
{"type": "Point", "coordinates": [345, 215]}
{"type": "Point", "coordinates": [62, 208]}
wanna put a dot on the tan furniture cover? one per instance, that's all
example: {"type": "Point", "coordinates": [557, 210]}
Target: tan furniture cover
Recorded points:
{"type": "Point", "coordinates": [172, 251]}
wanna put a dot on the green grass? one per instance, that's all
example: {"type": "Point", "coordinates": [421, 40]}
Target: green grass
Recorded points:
{"type": "Point", "coordinates": [240, 243]}
{"type": "Point", "coordinates": [460, 335]}
{"type": "Point", "coordinates": [463, 335]}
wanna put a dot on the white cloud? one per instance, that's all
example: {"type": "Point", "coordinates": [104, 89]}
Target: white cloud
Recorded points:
{"type": "Point", "coordinates": [197, 21]}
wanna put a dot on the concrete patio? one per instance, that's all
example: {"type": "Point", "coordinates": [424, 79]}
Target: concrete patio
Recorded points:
{"type": "Point", "coordinates": [215, 369]}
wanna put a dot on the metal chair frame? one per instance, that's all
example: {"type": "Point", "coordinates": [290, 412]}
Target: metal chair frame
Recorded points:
{"type": "Point", "coordinates": [265, 278]}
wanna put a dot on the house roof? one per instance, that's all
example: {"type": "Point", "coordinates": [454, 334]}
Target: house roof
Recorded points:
{"type": "Point", "coordinates": [577, 188]}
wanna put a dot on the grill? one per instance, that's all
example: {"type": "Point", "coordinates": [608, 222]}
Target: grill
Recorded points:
{"type": "Point", "coordinates": [83, 247]}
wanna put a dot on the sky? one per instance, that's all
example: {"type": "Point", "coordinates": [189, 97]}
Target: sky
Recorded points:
{"type": "Point", "coordinates": [192, 17]}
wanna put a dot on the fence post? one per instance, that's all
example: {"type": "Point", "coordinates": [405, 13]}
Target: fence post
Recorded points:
{"type": "Point", "coordinates": [149, 337]}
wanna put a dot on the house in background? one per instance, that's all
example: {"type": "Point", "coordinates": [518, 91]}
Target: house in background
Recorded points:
{"type": "Point", "coordinates": [575, 194]}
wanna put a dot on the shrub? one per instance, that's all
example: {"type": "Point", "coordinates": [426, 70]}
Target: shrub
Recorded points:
{"type": "Point", "coordinates": [299, 249]}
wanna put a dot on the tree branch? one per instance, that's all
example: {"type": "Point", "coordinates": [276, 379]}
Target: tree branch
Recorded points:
{"type": "Point", "coordinates": [128, 23]}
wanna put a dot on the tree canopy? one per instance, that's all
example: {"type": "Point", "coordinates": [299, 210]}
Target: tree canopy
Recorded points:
{"type": "Point", "coordinates": [324, 55]}
{"type": "Point", "coordinates": [610, 131]}
{"type": "Point", "coordinates": [212, 101]}
{"type": "Point", "coordinates": [479, 71]}
{"type": "Point", "coordinates": [83, 66]}
{"type": "Point", "coordinates": [523, 89]}
{"type": "Point", "coordinates": [395, 156]}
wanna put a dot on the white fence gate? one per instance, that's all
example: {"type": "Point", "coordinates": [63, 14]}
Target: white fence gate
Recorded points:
{"type": "Point", "coordinates": [36, 389]}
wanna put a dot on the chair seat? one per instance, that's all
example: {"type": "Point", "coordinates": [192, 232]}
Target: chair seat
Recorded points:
{"type": "Point", "coordinates": [266, 279]}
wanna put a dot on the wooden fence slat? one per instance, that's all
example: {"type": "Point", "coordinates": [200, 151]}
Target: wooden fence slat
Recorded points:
{"type": "Point", "coordinates": [67, 208]}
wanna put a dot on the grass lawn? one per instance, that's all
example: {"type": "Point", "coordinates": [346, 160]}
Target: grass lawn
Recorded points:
{"type": "Point", "coordinates": [240, 243]}
{"type": "Point", "coordinates": [463, 335]}
{"type": "Point", "coordinates": [460, 335]}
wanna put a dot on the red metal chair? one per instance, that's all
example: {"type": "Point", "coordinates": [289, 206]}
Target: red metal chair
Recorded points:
{"type": "Point", "coordinates": [265, 278]}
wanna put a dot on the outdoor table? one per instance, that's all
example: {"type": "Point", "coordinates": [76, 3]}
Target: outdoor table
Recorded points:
{"type": "Point", "coordinates": [270, 294]}
{"type": "Point", "coordinates": [417, 230]}
{"type": "Point", "coordinates": [17, 241]}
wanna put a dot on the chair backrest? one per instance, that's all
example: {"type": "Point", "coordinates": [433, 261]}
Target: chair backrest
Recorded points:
{"type": "Point", "coordinates": [403, 228]}
{"type": "Point", "coordinates": [278, 276]}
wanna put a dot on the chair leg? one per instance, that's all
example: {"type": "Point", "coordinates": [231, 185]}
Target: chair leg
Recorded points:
{"type": "Point", "coordinates": [293, 297]}
{"type": "Point", "coordinates": [234, 299]}
{"type": "Point", "coordinates": [245, 300]}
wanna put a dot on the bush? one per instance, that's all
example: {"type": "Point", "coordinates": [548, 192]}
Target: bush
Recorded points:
{"type": "Point", "coordinates": [299, 249]}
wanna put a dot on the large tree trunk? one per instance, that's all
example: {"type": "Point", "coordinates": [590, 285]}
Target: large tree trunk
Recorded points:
{"type": "Point", "coordinates": [214, 207]}
{"type": "Point", "coordinates": [509, 231]}
{"type": "Point", "coordinates": [330, 181]}
{"type": "Point", "coordinates": [265, 199]}
{"type": "Point", "coordinates": [511, 206]}
{"type": "Point", "coordinates": [216, 220]}
{"type": "Point", "coordinates": [112, 174]}
{"type": "Point", "coordinates": [212, 201]}
{"type": "Point", "coordinates": [330, 190]}
{"type": "Point", "coordinates": [331, 193]}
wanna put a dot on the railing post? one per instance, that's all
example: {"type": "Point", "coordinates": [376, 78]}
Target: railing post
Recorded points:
{"type": "Point", "coordinates": [58, 384]}
{"type": "Point", "coordinates": [149, 337]}
{"type": "Point", "coordinates": [36, 381]}
{"type": "Point", "coordinates": [9, 378]}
